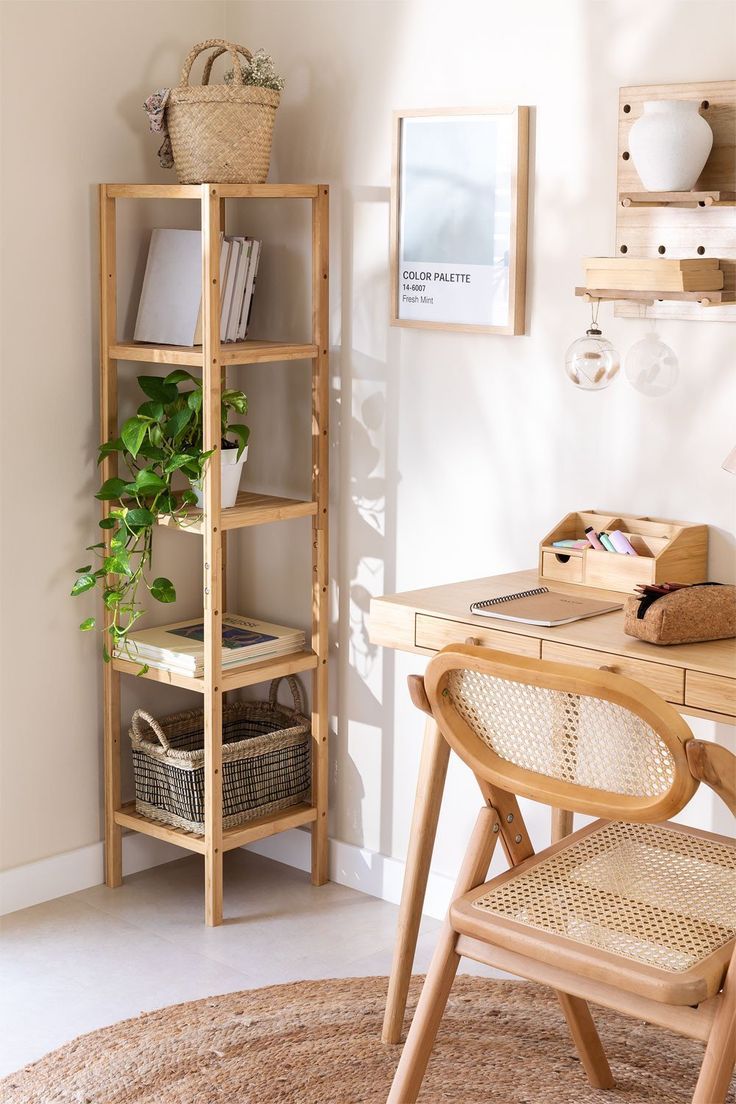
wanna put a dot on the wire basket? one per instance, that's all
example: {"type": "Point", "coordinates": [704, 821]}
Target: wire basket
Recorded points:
{"type": "Point", "coordinates": [221, 132]}
{"type": "Point", "coordinates": [265, 761]}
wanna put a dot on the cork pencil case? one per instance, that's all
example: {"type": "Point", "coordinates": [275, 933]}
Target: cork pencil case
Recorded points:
{"type": "Point", "coordinates": [706, 611]}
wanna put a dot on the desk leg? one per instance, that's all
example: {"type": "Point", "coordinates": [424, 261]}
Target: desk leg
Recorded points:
{"type": "Point", "coordinates": [430, 787]}
{"type": "Point", "coordinates": [562, 824]}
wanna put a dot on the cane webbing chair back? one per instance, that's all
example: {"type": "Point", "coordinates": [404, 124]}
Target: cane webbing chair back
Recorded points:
{"type": "Point", "coordinates": [579, 739]}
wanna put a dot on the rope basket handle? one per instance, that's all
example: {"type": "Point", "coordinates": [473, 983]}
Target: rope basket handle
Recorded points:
{"type": "Point", "coordinates": [141, 715]}
{"type": "Point", "coordinates": [295, 691]}
{"type": "Point", "coordinates": [207, 45]}
{"type": "Point", "coordinates": [222, 50]}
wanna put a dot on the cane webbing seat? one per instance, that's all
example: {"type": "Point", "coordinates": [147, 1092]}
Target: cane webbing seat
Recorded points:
{"type": "Point", "coordinates": [658, 900]}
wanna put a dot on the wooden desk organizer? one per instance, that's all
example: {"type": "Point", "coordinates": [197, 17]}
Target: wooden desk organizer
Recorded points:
{"type": "Point", "coordinates": [669, 551]}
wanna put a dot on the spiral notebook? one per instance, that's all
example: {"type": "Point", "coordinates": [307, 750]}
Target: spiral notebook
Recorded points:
{"type": "Point", "coordinates": [542, 606]}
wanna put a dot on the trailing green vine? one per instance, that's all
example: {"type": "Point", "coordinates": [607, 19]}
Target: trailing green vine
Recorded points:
{"type": "Point", "coordinates": [162, 438]}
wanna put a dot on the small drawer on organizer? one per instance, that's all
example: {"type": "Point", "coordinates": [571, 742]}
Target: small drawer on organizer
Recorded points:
{"type": "Point", "coordinates": [716, 693]}
{"type": "Point", "coordinates": [668, 682]}
{"type": "Point", "coordinates": [438, 632]}
{"type": "Point", "coordinates": [568, 569]}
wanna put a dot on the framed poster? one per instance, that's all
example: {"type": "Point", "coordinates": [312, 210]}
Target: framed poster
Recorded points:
{"type": "Point", "coordinates": [458, 219]}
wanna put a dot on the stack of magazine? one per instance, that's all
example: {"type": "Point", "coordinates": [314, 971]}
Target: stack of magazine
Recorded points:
{"type": "Point", "coordinates": [179, 648]}
{"type": "Point", "coordinates": [170, 308]}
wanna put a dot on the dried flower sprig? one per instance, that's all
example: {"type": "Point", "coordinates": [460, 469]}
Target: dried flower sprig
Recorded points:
{"type": "Point", "coordinates": [259, 71]}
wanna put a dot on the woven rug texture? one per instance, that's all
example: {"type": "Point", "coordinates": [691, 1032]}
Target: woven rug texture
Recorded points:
{"type": "Point", "coordinates": [319, 1042]}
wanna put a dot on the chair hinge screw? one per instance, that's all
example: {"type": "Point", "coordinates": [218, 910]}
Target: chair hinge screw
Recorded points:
{"type": "Point", "coordinates": [496, 826]}
{"type": "Point", "coordinates": [517, 838]}
{"type": "Point", "coordinates": [509, 817]}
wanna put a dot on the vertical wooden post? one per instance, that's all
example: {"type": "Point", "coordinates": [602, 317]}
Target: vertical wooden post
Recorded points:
{"type": "Point", "coordinates": [223, 384]}
{"type": "Point", "coordinates": [212, 577]}
{"type": "Point", "coordinates": [320, 536]}
{"type": "Point", "coordinates": [109, 468]}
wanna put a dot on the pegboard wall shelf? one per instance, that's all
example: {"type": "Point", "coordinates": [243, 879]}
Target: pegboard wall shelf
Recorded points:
{"type": "Point", "coordinates": [702, 298]}
{"type": "Point", "coordinates": [677, 199]}
{"type": "Point", "coordinates": [700, 223]}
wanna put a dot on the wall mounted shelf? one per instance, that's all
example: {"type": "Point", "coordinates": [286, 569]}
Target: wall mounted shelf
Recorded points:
{"type": "Point", "coordinates": [677, 199]}
{"type": "Point", "coordinates": [703, 298]}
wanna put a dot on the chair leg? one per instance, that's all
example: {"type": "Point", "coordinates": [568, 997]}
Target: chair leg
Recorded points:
{"type": "Point", "coordinates": [441, 974]}
{"type": "Point", "coordinates": [587, 1041]}
{"type": "Point", "coordinates": [720, 1053]}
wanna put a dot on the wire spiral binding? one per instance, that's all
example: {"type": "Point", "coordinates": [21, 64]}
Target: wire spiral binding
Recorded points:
{"type": "Point", "coordinates": [508, 598]}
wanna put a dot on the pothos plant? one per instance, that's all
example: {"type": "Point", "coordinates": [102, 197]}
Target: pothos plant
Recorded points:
{"type": "Point", "coordinates": [164, 437]}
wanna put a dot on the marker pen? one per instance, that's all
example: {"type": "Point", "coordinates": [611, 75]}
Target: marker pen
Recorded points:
{"type": "Point", "coordinates": [570, 544]}
{"type": "Point", "coordinates": [593, 539]}
{"type": "Point", "coordinates": [622, 543]}
{"type": "Point", "coordinates": [607, 542]}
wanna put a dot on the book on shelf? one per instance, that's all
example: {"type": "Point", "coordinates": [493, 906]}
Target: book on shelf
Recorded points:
{"type": "Point", "coordinates": [170, 307]}
{"type": "Point", "coordinates": [250, 287]}
{"type": "Point", "coordinates": [653, 274]}
{"type": "Point", "coordinates": [179, 647]}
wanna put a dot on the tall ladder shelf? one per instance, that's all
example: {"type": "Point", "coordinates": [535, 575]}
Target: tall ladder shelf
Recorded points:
{"type": "Point", "coordinates": [251, 509]}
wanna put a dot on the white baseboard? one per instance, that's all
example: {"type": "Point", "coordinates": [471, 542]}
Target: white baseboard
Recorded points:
{"type": "Point", "coordinates": [33, 883]}
{"type": "Point", "coordinates": [367, 871]}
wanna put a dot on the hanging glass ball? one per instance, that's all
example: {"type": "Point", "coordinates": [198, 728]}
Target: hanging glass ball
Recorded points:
{"type": "Point", "coordinates": [651, 366]}
{"type": "Point", "coordinates": [591, 362]}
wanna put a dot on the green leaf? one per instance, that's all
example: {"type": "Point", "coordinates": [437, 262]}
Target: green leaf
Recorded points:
{"type": "Point", "coordinates": [177, 423]}
{"type": "Point", "coordinates": [178, 375]}
{"type": "Point", "coordinates": [151, 452]}
{"type": "Point", "coordinates": [155, 435]}
{"type": "Point", "coordinates": [236, 400]}
{"type": "Point", "coordinates": [84, 582]}
{"type": "Point", "coordinates": [118, 564]}
{"type": "Point", "coordinates": [188, 498]}
{"type": "Point", "coordinates": [111, 489]}
{"type": "Point", "coordinates": [152, 410]}
{"type": "Point", "coordinates": [194, 401]}
{"type": "Point", "coordinates": [157, 389]}
{"type": "Point", "coordinates": [94, 547]}
{"type": "Point", "coordinates": [139, 517]}
{"type": "Point", "coordinates": [163, 590]}
{"type": "Point", "coordinates": [133, 432]}
{"type": "Point", "coordinates": [143, 671]}
{"type": "Point", "coordinates": [179, 460]}
{"type": "Point", "coordinates": [87, 624]}
{"type": "Point", "coordinates": [109, 448]}
{"type": "Point", "coordinates": [105, 653]}
{"type": "Point", "coordinates": [107, 523]}
{"type": "Point", "coordinates": [111, 597]}
{"type": "Point", "coordinates": [147, 482]}
{"type": "Point", "coordinates": [242, 433]}
{"type": "Point", "coordinates": [83, 570]}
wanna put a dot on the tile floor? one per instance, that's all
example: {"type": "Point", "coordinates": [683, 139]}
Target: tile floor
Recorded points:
{"type": "Point", "coordinates": [100, 955]}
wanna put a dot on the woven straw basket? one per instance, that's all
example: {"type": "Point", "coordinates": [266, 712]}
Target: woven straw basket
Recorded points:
{"type": "Point", "coordinates": [265, 761]}
{"type": "Point", "coordinates": [220, 133]}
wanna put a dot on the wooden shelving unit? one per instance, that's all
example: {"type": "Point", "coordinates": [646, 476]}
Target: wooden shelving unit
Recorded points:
{"type": "Point", "coordinates": [212, 527]}
{"type": "Point", "coordinates": [677, 199]}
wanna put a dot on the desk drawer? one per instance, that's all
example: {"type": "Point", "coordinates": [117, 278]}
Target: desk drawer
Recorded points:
{"type": "Point", "coordinates": [438, 632]}
{"type": "Point", "coordinates": [668, 682]}
{"type": "Point", "coordinates": [716, 693]}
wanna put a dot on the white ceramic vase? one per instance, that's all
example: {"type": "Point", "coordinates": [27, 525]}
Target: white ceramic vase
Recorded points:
{"type": "Point", "coordinates": [231, 470]}
{"type": "Point", "coordinates": [670, 143]}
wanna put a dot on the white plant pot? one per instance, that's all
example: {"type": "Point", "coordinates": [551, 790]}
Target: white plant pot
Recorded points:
{"type": "Point", "coordinates": [670, 144]}
{"type": "Point", "coordinates": [231, 470]}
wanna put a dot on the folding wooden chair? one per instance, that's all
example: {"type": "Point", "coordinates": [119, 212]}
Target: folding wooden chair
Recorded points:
{"type": "Point", "coordinates": [629, 912]}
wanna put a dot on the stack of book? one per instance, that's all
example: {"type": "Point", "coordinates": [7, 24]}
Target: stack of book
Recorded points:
{"type": "Point", "coordinates": [179, 648]}
{"type": "Point", "coordinates": [170, 308]}
{"type": "Point", "coordinates": [653, 274]}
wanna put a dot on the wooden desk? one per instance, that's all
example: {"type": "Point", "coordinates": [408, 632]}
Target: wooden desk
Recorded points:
{"type": "Point", "coordinates": [699, 679]}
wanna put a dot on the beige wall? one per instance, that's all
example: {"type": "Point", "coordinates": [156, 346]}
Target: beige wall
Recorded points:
{"type": "Point", "coordinates": [74, 77]}
{"type": "Point", "coordinates": [451, 454]}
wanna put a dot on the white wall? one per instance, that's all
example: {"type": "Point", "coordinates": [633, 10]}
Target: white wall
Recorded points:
{"type": "Point", "coordinates": [451, 454]}
{"type": "Point", "coordinates": [454, 453]}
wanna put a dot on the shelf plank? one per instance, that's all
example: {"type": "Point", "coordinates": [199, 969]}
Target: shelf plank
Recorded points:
{"type": "Point", "coordinates": [249, 674]}
{"type": "Point", "coordinates": [259, 828]}
{"type": "Point", "coordinates": [249, 509]}
{"type": "Point", "coordinates": [705, 298]}
{"type": "Point", "coordinates": [236, 352]}
{"type": "Point", "coordinates": [678, 199]}
{"type": "Point", "coordinates": [154, 191]}
{"type": "Point", "coordinates": [268, 825]}
{"type": "Point", "coordinates": [225, 191]}
{"type": "Point", "coordinates": [127, 817]}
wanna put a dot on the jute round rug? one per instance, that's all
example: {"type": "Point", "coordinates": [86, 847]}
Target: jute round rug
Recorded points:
{"type": "Point", "coordinates": [318, 1042]}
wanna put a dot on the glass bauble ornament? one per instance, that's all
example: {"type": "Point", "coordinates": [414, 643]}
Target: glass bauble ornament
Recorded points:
{"type": "Point", "coordinates": [591, 362]}
{"type": "Point", "coordinates": [651, 366]}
